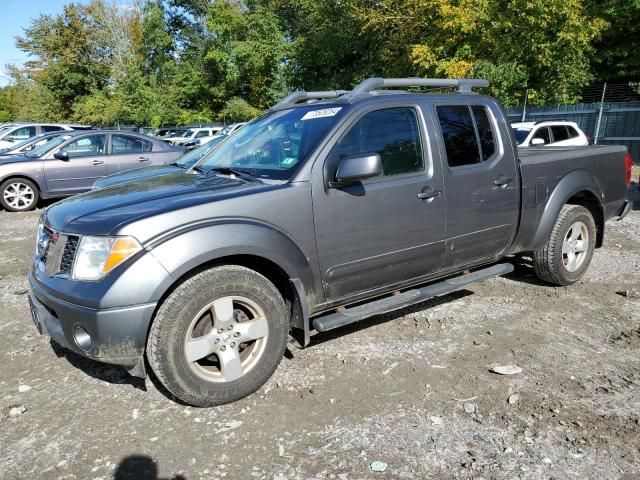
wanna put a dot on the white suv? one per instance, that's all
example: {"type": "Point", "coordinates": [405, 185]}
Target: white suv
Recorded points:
{"type": "Point", "coordinates": [13, 134]}
{"type": "Point", "coordinates": [548, 133]}
{"type": "Point", "coordinates": [194, 133]}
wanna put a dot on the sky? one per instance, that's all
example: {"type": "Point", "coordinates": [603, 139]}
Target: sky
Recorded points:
{"type": "Point", "coordinates": [14, 16]}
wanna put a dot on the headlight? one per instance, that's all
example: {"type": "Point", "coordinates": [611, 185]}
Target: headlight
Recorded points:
{"type": "Point", "coordinates": [97, 256]}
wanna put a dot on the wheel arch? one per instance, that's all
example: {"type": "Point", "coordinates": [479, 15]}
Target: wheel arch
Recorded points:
{"type": "Point", "coordinates": [266, 251]}
{"type": "Point", "coordinates": [577, 188]}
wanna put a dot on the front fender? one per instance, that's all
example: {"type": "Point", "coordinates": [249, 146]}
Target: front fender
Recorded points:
{"type": "Point", "coordinates": [575, 182]}
{"type": "Point", "coordinates": [192, 247]}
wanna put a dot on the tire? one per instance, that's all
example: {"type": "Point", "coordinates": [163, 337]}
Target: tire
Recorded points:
{"type": "Point", "coordinates": [19, 195]}
{"type": "Point", "coordinates": [566, 256]}
{"type": "Point", "coordinates": [233, 316]}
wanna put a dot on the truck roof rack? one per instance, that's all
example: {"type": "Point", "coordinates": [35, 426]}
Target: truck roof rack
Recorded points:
{"type": "Point", "coordinates": [301, 95]}
{"type": "Point", "coordinates": [463, 85]}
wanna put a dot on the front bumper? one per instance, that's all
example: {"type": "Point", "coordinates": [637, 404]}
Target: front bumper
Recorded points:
{"type": "Point", "coordinates": [117, 335]}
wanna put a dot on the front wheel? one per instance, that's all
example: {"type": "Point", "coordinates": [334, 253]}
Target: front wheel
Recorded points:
{"type": "Point", "coordinates": [19, 195]}
{"type": "Point", "coordinates": [219, 336]}
{"type": "Point", "coordinates": [565, 257]}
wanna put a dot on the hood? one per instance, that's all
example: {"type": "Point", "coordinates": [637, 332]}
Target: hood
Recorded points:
{"type": "Point", "coordinates": [134, 175]}
{"type": "Point", "coordinates": [4, 160]}
{"type": "Point", "coordinates": [101, 212]}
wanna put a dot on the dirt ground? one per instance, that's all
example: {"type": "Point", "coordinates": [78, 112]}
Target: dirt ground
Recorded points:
{"type": "Point", "coordinates": [411, 389]}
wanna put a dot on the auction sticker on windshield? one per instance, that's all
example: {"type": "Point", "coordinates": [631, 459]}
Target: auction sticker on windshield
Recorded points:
{"type": "Point", "coordinates": [325, 112]}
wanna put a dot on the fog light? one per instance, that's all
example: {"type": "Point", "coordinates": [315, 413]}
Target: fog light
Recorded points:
{"type": "Point", "coordinates": [82, 338]}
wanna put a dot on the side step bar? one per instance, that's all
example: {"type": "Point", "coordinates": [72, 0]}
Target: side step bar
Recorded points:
{"type": "Point", "coordinates": [410, 297]}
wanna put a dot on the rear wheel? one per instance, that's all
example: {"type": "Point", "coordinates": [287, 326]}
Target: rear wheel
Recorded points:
{"type": "Point", "coordinates": [566, 256]}
{"type": "Point", "coordinates": [219, 336]}
{"type": "Point", "coordinates": [19, 195]}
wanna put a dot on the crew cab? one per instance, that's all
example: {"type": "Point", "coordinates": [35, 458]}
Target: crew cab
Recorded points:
{"type": "Point", "coordinates": [327, 209]}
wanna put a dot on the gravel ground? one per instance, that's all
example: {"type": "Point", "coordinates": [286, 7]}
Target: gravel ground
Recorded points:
{"type": "Point", "coordinates": [412, 389]}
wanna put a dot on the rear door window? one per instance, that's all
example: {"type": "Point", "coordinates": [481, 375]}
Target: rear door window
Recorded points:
{"type": "Point", "coordinates": [485, 131]}
{"type": "Point", "coordinates": [560, 133]}
{"type": "Point", "coordinates": [467, 132]}
{"type": "Point", "coordinates": [459, 135]}
{"type": "Point", "coordinates": [51, 128]}
{"type": "Point", "coordinates": [123, 144]}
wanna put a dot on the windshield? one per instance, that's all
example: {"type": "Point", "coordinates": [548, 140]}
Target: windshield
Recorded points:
{"type": "Point", "coordinates": [521, 134]}
{"type": "Point", "coordinates": [189, 133]}
{"type": "Point", "coordinates": [195, 155]}
{"type": "Point", "coordinates": [42, 149]}
{"type": "Point", "coordinates": [35, 142]}
{"type": "Point", "coordinates": [225, 130]}
{"type": "Point", "coordinates": [272, 145]}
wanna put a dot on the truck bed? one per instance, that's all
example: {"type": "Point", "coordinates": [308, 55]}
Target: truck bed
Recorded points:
{"type": "Point", "coordinates": [542, 168]}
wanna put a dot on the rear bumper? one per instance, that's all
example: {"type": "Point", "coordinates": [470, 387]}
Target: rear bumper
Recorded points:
{"type": "Point", "coordinates": [117, 335]}
{"type": "Point", "coordinates": [626, 208]}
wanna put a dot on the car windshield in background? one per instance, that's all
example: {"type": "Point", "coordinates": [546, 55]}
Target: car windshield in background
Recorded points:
{"type": "Point", "coordinates": [521, 134]}
{"type": "Point", "coordinates": [188, 133]}
{"type": "Point", "coordinates": [273, 145]}
{"type": "Point", "coordinates": [225, 130]}
{"type": "Point", "coordinates": [42, 149]}
{"type": "Point", "coordinates": [36, 142]}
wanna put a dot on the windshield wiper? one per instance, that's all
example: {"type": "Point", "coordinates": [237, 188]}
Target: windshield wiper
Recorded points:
{"type": "Point", "coordinates": [177, 164]}
{"type": "Point", "coordinates": [238, 173]}
{"type": "Point", "coordinates": [199, 169]}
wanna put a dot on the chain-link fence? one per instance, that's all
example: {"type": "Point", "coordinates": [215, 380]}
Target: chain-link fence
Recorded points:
{"type": "Point", "coordinates": [609, 115]}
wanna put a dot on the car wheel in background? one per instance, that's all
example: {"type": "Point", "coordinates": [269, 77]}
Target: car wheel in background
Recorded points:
{"type": "Point", "coordinates": [19, 195]}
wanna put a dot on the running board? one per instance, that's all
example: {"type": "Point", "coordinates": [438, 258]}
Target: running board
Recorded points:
{"type": "Point", "coordinates": [405, 299]}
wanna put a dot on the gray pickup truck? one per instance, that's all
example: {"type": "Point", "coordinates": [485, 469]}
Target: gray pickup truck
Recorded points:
{"type": "Point", "coordinates": [329, 208]}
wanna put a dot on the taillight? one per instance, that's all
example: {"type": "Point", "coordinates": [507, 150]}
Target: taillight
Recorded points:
{"type": "Point", "coordinates": [627, 165]}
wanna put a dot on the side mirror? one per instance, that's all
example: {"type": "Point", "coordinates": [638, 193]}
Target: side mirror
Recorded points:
{"type": "Point", "coordinates": [357, 167]}
{"type": "Point", "coordinates": [537, 141]}
{"type": "Point", "coordinates": [62, 155]}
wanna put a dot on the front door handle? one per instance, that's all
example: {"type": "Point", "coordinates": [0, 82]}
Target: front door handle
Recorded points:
{"type": "Point", "coordinates": [98, 162]}
{"type": "Point", "coordinates": [429, 193]}
{"type": "Point", "coordinates": [502, 181]}
{"type": "Point", "coordinates": [143, 159]}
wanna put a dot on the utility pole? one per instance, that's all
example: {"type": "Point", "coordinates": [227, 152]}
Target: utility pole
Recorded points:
{"type": "Point", "coordinates": [604, 91]}
{"type": "Point", "coordinates": [524, 108]}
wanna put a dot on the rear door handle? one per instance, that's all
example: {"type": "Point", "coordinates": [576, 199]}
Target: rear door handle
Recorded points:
{"type": "Point", "coordinates": [143, 159]}
{"type": "Point", "coordinates": [502, 181]}
{"type": "Point", "coordinates": [429, 193]}
{"type": "Point", "coordinates": [98, 162]}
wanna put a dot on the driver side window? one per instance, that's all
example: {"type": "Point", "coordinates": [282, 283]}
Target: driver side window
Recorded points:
{"type": "Point", "coordinates": [91, 146]}
{"type": "Point", "coordinates": [393, 133]}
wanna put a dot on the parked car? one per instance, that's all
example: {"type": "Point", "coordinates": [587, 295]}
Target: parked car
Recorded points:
{"type": "Point", "coordinates": [166, 132]}
{"type": "Point", "coordinates": [17, 133]}
{"type": "Point", "coordinates": [29, 144]}
{"type": "Point", "coordinates": [185, 162]}
{"type": "Point", "coordinates": [71, 163]}
{"type": "Point", "coordinates": [549, 133]}
{"type": "Point", "coordinates": [313, 215]}
{"type": "Point", "coordinates": [192, 134]}
{"type": "Point", "coordinates": [225, 132]}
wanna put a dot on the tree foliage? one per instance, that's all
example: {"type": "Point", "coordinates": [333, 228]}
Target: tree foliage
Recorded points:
{"type": "Point", "coordinates": [159, 62]}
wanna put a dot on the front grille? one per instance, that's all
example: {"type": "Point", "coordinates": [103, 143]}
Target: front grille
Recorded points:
{"type": "Point", "coordinates": [55, 252]}
{"type": "Point", "coordinates": [68, 254]}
